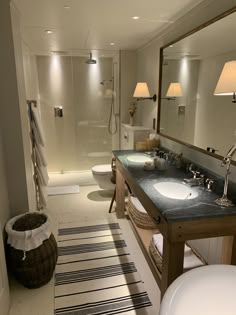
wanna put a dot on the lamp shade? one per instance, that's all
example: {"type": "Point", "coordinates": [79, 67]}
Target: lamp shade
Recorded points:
{"type": "Point", "coordinates": [174, 90]}
{"type": "Point", "coordinates": [227, 82]}
{"type": "Point", "coordinates": [141, 90]}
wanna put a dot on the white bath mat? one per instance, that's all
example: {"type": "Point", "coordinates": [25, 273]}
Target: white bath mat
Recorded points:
{"type": "Point", "coordinates": [62, 190]}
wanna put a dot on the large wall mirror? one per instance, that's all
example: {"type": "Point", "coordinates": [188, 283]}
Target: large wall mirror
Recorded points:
{"type": "Point", "coordinates": [189, 111]}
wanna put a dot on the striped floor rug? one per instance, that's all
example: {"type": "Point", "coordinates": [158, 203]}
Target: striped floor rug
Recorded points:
{"type": "Point", "coordinates": [95, 275]}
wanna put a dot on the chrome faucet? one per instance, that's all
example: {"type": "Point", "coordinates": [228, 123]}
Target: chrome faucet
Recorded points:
{"type": "Point", "coordinates": [198, 179]}
{"type": "Point", "coordinates": [224, 201]}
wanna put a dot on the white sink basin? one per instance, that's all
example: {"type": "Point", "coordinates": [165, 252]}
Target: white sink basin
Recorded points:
{"type": "Point", "coordinates": [139, 158]}
{"type": "Point", "coordinates": [175, 190]}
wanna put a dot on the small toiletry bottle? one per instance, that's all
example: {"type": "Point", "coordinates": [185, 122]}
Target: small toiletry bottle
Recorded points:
{"type": "Point", "coordinates": [178, 160]}
{"type": "Point", "coordinates": [155, 156]}
{"type": "Point", "coordinates": [162, 164]}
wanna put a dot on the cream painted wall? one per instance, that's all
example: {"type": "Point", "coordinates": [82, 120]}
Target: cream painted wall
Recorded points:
{"type": "Point", "coordinates": [24, 120]}
{"type": "Point", "coordinates": [4, 216]}
{"type": "Point", "coordinates": [13, 115]}
{"type": "Point", "coordinates": [148, 70]}
{"type": "Point", "coordinates": [30, 73]}
{"type": "Point", "coordinates": [4, 199]}
{"type": "Point", "coordinates": [128, 80]}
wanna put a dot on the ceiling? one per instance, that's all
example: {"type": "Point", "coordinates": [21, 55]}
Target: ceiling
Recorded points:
{"type": "Point", "coordinates": [80, 26]}
{"type": "Point", "coordinates": [213, 40]}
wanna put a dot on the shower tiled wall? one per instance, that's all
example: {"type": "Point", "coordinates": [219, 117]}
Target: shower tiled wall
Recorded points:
{"type": "Point", "coordinates": [80, 139]}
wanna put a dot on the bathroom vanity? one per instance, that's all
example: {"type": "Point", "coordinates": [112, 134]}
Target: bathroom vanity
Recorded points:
{"type": "Point", "coordinates": [191, 214]}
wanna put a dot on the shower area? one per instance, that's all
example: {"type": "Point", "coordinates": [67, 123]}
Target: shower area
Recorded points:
{"type": "Point", "coordinates": [79, 104]}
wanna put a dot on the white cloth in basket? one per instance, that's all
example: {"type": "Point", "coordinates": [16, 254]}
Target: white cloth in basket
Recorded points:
{"type": "Point", "coordinates": [190, 259]}
{"type": "Point", "coordinates": [137, 204]}
{"type": "Point", "coordinates": [27, 240]}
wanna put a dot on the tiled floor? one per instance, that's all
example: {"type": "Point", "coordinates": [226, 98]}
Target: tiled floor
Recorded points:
{"type": "Point", "coordinates": [89, 205]}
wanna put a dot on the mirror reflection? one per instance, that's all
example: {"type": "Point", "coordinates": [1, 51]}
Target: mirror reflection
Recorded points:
{"type": "Point", "coordinates": [190, 112]}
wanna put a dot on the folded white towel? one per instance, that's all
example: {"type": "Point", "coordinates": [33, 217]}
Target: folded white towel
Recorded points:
{"type": "Point", "coordinates": [190, 259]}
{"type": "Point", "coordinates": [137, 204]}
{"type": "Point", "coordinates": [38, 124]}
{"type": "Point", "coordinates": [40, 155]}
{"type": "Point", "coordinates": [158, 242]}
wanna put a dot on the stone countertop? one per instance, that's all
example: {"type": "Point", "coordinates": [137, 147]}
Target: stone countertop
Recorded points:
{"type": "Point", "coordinates": [173, 210]}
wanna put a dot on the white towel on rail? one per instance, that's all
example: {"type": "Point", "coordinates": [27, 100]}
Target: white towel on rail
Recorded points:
{"type": "Point", "coordinates": [42, 175]}
{"type": "Point", "coordinates": [36, 134]}
{"type": "Point", "coordinates": [38, 124]}
{"type": "Point", "coordinates": [40, 155]}
{"type": "Point", "coordinates": [43, 196]}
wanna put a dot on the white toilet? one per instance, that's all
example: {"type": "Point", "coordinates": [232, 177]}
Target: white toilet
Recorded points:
{"type": "Point", "coordinates": [207, 290]}
{"type": "Point", "coordinates": [102, 175]}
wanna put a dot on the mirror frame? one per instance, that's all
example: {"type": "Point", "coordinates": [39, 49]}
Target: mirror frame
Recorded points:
{"type": "Point", "coordinates": [200, 27]}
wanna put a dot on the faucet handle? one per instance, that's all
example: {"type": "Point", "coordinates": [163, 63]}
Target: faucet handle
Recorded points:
{"type": "Point", "coordinates": [195, 174]}
{"type": "Point", "coordinates": [209, 183]}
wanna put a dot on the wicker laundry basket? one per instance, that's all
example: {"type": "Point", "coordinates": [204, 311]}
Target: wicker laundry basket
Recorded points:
{"type": "Point", "coordinates": [32, 249]}
{"type": "Point", "coordinates": [139, 215]}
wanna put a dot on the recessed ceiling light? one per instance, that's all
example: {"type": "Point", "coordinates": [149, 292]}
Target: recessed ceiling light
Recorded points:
{"type": "Point", "coordinates": [135, 17]}
{"type": "Point", "coordinates": [48, 31]}
{"type": "Point", "coordinates": [67, 7]}
{"type": "Point", "coordinates": [112, 44]}
{"type": "Point", "coordinates": [171, 46]}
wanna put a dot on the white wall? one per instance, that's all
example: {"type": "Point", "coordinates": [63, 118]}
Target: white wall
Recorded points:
{"type": "Point", "coordinates": [13, 115]}
{"type": "Point", "coordinates": [148, 70]}
{"type": "Point", "coordinates": [24, 119]}
{"type": "Point", "coordinates": [30, 73]}
{"type": "Point", "coordinates": [128, 80]}
{"type": "Point", "coordinates": [4, 199]}
{"type": "Point", "coordinates": [80, 139]}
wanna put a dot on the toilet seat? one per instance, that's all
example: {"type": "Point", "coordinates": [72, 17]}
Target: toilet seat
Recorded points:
{"type": "Point", "coordinates": [103, 169]}
{"type": "Point", "coordinates": [207, 290]}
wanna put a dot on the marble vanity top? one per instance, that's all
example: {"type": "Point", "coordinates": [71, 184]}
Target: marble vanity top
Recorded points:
{"type": "Point", "coordinates": [202, 206]}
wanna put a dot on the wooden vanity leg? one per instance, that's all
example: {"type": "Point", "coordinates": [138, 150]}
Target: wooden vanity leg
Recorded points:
{"type": "Point", "coordinates": [172, 263]}
{"type": "Point", "coordinates": [233, 256]}
{"type": "Point", "coordinates": [120, 195]}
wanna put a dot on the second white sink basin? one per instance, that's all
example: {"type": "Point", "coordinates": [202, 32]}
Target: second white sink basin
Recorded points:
{"type": "Point", "coordinates": [139, 158]}
{"type": "Point", "coordinates": [175, 190]}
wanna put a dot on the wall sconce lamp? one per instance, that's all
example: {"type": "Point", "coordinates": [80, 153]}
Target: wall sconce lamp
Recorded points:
{"type": "Point", "coordinates": [174, 90]}
{"type": "Point", "coordinates": [227, 82]}
{"type": "Point", "coordinates": [141, 92]}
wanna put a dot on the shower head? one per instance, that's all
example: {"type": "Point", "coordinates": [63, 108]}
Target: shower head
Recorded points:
{"type": "Point", "coordinates": [90, 60]}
